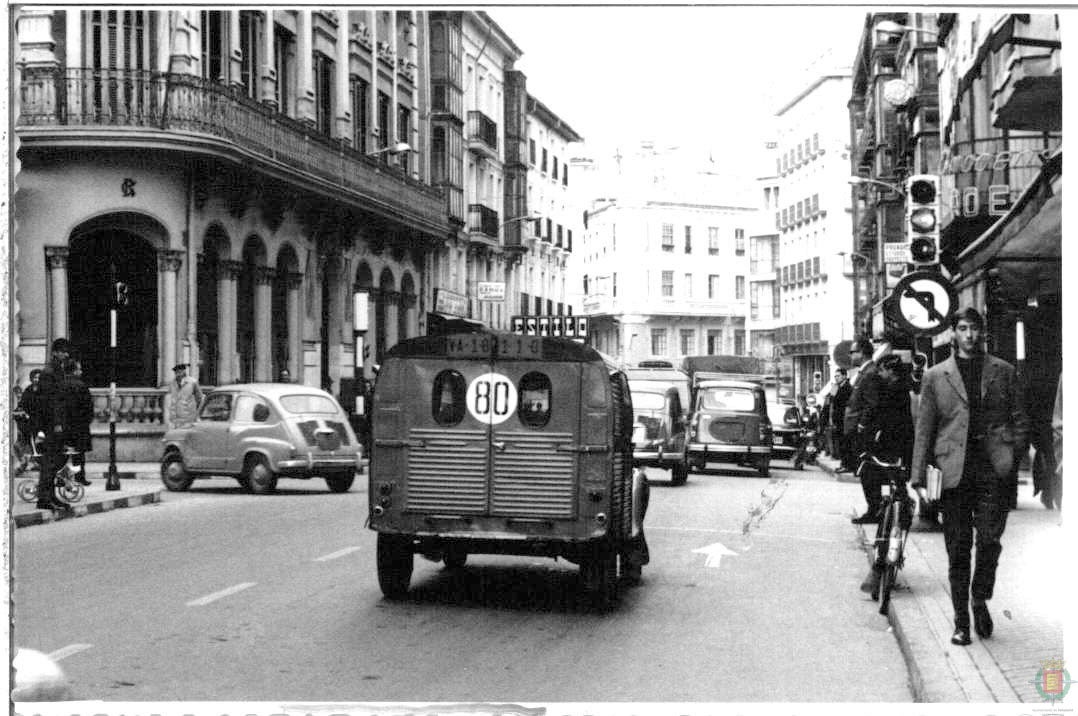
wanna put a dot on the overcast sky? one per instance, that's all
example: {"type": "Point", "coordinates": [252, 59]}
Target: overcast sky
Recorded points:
{"type": "Point", "coordinates": [688, 76]}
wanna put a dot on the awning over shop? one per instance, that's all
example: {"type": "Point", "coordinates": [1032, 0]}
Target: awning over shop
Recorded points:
{"type": "Point", "coordinates": [1025, 245]}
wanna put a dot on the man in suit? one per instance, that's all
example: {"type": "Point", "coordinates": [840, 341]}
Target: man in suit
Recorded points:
{"type": "Point", "coordinates": [971, 417]}
{"type": "Point", "coordinates": [860, 411]}
{"type": "Point", "coordinates": [838, 416]}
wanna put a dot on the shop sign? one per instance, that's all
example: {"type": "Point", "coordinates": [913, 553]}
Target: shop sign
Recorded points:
{"type": "Point", "coordinates": [996, 161]}
{"type": "Point", "coordinates": [491, 290]}
{"type": "Point", "coordinates": [450, 303]}
{"type": "Point", "coordinates": [967, 202]}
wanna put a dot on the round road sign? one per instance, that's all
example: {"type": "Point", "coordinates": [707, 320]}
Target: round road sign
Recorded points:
{"type": "Point", "coordinates": [925, 302]}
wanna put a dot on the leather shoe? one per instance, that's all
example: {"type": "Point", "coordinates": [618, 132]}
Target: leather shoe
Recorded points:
{"type": "Point", "coordinates": [982, 621]}
{"type": "Point", "coordinates": [961, 637]}
{"type": "Point", "coordinates": [869, 518]}
{"type": "Point", "coordinates": [81, 479]}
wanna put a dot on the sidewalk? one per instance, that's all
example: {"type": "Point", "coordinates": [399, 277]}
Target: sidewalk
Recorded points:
{"type": "Point", "coordinates": [1028, 608]}
{"type": "Point", "coordinates": [132, 493]}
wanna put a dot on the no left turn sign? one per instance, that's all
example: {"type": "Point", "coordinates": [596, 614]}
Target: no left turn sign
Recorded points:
{"type": "Point", "coordinates": [925, 302]}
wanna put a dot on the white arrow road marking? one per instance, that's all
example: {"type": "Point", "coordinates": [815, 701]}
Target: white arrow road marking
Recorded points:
{"type": "Point", "coordinates": [202, 601]}
{"type": "Point", "coordinates": [335, 555]}
{"type": "Point", "coordinates": [715, 552]}
{"type": "Point", "coordinates": [69, 650]}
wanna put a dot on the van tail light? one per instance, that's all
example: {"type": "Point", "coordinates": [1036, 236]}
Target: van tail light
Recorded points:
{"type": "Point", "coordinates": [765, 431]}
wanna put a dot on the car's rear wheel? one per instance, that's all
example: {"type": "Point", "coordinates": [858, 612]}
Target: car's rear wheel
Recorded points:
{"type": "Point", "coordinates": [679, 473]}
{"type": "Point", "coordinates": [394, 560]}
{"type": "Point", "coordinates": [764, 466]}
{"type": "Point", "coordinates": [174, 473]}
{"type": "Point", "coordinates": [260, 478]}
{"type": "Point", "coordinates": [340, 481]}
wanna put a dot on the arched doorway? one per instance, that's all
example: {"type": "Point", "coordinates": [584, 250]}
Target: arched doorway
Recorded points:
{"type": "Point", "coordinates": [282, 341]}
{"type": "Point", "coordinates": [99, 257]}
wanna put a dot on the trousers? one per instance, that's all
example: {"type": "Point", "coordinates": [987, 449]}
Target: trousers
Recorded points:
{"type": "Point", "coordinates": [974, 515]}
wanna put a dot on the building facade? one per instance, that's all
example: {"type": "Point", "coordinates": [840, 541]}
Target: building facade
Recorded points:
{"type": "Point", "coordinates": [811, 216]}
{"type": "Point", "coordinates": [665, 261]}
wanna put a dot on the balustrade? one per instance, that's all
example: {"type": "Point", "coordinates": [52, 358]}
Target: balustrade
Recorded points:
{"type": "Point", "coordinates": [134, 406]}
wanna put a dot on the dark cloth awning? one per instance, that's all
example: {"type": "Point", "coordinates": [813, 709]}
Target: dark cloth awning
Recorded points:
{"type": "Point", "coordinates": [1025, 245]}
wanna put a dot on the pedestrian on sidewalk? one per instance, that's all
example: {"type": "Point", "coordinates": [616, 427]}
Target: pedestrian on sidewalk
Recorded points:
{"type": "Point", "coordinates": [53, 404]}
{"type": "Point", "coordinates": [971, 416]}
{"type": "Point", "coordinates": [184, 397]}
{"type": "Point", "coordinates": [838, 417]}
{"type": "Point", "coordinates": [80, 416]}
{"type": "Point", "coordinates": [861, 411]}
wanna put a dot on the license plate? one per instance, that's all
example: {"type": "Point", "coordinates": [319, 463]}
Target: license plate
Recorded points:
{"type": "Point", "coordinates": [778, 440]}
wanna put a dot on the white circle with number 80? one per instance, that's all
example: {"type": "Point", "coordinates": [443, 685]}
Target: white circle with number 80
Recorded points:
{"type": "Point", "coordinates": [492, 398]}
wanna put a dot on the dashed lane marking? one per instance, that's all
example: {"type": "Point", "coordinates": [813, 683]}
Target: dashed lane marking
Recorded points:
{"type": "Point", "coordinates": [202, 601]}
{"type": "Point", "coordinates": [69, 650]}
{"type": "Point", "coordinates": [335, 555]}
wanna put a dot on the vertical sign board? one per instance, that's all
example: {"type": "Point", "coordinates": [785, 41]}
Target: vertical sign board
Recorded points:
{"type": "Point", "coordinates": [544, 325]}
{"type": "Point", "coordinates": [516, 324]}
{"type": "Point", "coordinates": [531, 325]}
{"type": "Point", "coordinates": [557, 326]}
{"type": "Point", "coordinates": [582, 327]}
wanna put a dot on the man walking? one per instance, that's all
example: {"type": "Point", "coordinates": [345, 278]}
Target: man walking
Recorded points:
{"type": "Point", "coordinates": [53, 422]}
{"type": "Point", "coordinates": [838, 416]}
{"type": "Point", "coordinates": [971, 416]}
{"type": "Point", "coordinates": [862, 407]}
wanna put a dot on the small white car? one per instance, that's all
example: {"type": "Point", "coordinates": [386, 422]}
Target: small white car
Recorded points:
{"type": "Point", "coordinates": [257, 432]}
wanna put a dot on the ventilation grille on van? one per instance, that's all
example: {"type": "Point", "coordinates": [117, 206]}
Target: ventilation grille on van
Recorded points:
{"type": "Point", "coordinates": [448, 474]}
{"type": "Point", "coordinates": [532, 478]}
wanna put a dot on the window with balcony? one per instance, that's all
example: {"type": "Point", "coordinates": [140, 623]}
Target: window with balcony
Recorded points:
{"type": "Point", "coordinates": [739, 242]}
{"type": "Point", "coordinates": [658, 341]}
{"type": "Point", "coordinates": [668, 237]}
{"type": "Point", "coordinates": [250, 39]}
{"type": "Point", "coordinates": [739, 288]}
{"type": "Point", "coordinates": [713, 241]}
{"type": "Point", "coordinates": [688, 239]}
{"type": "Point", "coordinates": [214, 48]}
{"type": "Point", "coordinates": [714, 341]}
{"type": "Point", "coordinates": [713, 286]}
{"type": "Point", "coordinates": [323, 93]}
{"type": "Point", "coordinates": [687, 337]}
{"type": "Point", "coordinates": [358, 91]}
{"type": "Point", "coordinates": [668, 284]}
{"type": "Point", "coordinates": [284, 63]}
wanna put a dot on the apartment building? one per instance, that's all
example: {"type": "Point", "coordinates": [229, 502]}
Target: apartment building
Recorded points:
{"type": "Point", "coordinates": [665, 262]}
{"type": "Point", "coordinates": [810, 212]}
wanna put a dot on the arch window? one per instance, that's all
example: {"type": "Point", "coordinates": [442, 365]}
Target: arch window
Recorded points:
{"type": "Point", "coordinates": [535, 400]}
{"type": "Point", "coordinates": [448, 395]}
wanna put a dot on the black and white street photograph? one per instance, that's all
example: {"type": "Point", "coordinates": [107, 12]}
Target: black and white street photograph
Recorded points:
{"type": "Point", "coordinates": [534, 360]}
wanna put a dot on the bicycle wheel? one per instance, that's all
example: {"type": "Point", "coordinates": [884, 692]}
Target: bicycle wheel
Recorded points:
{"type": "Point", "coordinates": [27, 490]}
{"type": "Point", "coordinates": [70, 492]}
{"type": "Point", "coordinates": [890, 567]}
{"type": "Point", "coordinates": [879, 545]}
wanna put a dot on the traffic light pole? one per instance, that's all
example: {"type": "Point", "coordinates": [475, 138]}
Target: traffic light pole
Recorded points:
{"type": "Point", "coordinates": [112, 479]}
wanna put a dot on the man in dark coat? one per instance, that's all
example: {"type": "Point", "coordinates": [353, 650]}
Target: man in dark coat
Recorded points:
{"type": "Point", "coordinates": [80, 416]}
{"type": "Point", "coordinates": [838, 416]}
{"type": "Point", "coordinates": [53, 424]}
{"type": "Point", "coordinates": [864, 401]}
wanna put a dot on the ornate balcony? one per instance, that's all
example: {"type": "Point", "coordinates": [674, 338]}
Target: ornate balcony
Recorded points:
{"type": "Point", "coordinates": [66, 107]}
{"type": "Point", "coordinates": [482, 134]}
{"type": "Point", "coordinates": [483, 220]}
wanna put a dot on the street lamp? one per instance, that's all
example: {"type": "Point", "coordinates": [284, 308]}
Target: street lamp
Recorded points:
{"type": "Point", "coordinates": [526, 217]}
{"type": "Point", "coordinates": [867, 180]}
{"type": "Point", "coordinates": [893, 28]}
{"type": "Point", "coordinates": [398, 148]}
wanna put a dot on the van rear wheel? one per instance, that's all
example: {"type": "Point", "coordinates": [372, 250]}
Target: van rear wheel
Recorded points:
{"type": "Point", "coordinates": [395, 559]}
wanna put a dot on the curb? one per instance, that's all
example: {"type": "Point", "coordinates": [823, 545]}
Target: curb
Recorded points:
{"type": "Point", "coordinates": [39, 517]}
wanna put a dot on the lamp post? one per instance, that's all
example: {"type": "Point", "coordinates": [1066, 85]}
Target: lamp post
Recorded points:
{"type": "Point", "coordinates": [398, 148]}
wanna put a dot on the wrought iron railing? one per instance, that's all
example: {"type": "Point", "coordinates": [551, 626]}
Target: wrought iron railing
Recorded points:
{"type": "Point", "coordinates": [483, 219]}
{"type": "Point", "coordinates": [483, 128]}
{"type": "Point", "coordinates": [82, 98]}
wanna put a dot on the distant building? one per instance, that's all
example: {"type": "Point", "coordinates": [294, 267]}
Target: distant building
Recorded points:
{"type": "Point", "coordinates": [810, 213]}
{"type": "Point", "coordinates": [665, 263]}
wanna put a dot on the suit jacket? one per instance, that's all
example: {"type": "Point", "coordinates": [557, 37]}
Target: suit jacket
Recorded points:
{"type": "Point", "coordinates": [864, 397]}
{"type": "Point", "coordinates": [838, 405]}
{"type": "Point", "coordinates": [943, 420]}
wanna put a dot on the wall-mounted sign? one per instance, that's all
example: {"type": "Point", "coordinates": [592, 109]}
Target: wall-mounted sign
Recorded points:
{"type": "Point", "coordinates": [491, 290]}
{"type": "Point", "coordinates": [450, 303]}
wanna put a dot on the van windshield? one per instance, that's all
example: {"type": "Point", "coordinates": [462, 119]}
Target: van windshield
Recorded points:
{"type": "Point", "coordinates": [737, 399]}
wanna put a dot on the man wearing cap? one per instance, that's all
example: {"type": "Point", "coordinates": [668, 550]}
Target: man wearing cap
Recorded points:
{"type": "Point", "coordinates": [184, 397]}
{"type": "Point", "coordinates": [53, 422]}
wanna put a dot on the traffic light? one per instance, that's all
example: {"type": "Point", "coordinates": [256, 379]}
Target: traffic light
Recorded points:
{"type": "Point", "coordinates": [923, 218]}
{"type": "Point", "coordinates": [123, 296]}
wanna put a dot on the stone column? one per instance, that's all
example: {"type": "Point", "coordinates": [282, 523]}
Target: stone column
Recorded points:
{"type": "Point", "coordinates": [235, 51]}
{"type": "Point", "coordinates": [304, 65]}
{"type": "Point", "coordinates": [160, 30]}
{"type": "Point", "coordinates": [394, 37]}
{"type": "Point", "coordinates": [264, 276]}
{"type": "Point", "coordinates": [295, 331]}
{"type": "Point", "coordinates": [269, 69]}
{"type": "Point", "coordinates": [56, 257]}
{"type": "Point", "coordinates": [372, 87]}
{"type": "Point", "coordinates": [344, 108]}
{"type": "Point", "coordinates": [393, 306]}
{"type": "Point", "coordinates": [228, 273]}
{"type": "Point", "coordinates": [413, 60]}
{"type": "Point", "coordinates": [408, 304]}
{"type": "Point", "coordinates": [168, 264]}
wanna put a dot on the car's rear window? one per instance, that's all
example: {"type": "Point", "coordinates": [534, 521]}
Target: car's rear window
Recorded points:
{"type": "Point", "coordinates": [307, 403]}
{"type": "Point", "coordinates": [648, 401]}
{"type": "Point", "coordinates": [728, 399]}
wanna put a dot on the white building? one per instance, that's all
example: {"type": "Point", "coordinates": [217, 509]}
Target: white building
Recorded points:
{"type": "Point", "coordinates": [812, 163]}
{"type": "Point", "coordinates": [665, 263]}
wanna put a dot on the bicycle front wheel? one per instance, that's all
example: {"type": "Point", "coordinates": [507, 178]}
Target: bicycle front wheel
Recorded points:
{"type": "Point", "coordinates": [890, 565]}
{"type": "Point", "coordinates": [70, 492]}
{"type": "Point", "coordinates": [27, 490]}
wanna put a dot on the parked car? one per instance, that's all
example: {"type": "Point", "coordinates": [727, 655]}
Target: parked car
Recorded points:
{"type": "Point", "coordinates": [730, 424]}
{"type": "Point", "coordinates": [659, 428]}
{"type": "Point", "coordinates": [257, 432]}
{"type": "Point", "coordinates": [786, 430]}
